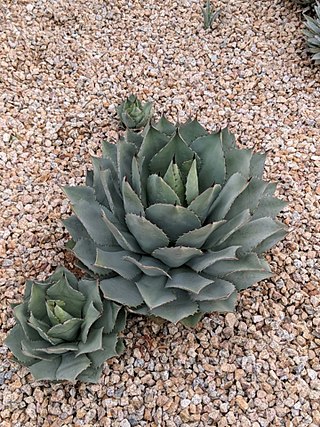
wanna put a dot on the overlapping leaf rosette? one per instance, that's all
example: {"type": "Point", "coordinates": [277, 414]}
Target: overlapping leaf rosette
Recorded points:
{"type": "Point", "coordinates": [133, 114]}
{"type": "Point", "coordinates": [175, 220]}
{"type": "Point", "coordinates": [65, 330]}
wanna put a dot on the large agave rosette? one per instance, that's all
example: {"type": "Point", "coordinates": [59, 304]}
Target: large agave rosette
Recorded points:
{"type": "Point", "coordinates": [175, 221]}
{"type": "Point", "coordinates": [64, 330]}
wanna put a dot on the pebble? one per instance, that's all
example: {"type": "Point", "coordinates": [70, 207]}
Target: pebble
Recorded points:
{"type": "Point", "coordinates": [65, 66]}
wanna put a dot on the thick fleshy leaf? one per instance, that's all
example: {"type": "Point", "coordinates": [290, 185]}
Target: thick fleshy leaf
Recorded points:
{"type": "Point", "coordinates": [134, 138]}
{"type": "Point", "coordinates": [90, 315]}
{"type": "Point", "coordinates": [90, 375]}
{"type": "Point", "coordinates": [227, 139]}
{"type": "Point", "coordinates": [72, 298]}
{"type": "Point", "coordinates": [191, 130]}
{"type": "Point", "coordinates": [257, 164]}
{"type": "Point", "coordinates": [238, 161]}
{"type": "Point", "coordinates": [121, 321]}
{"type": "Point", "coordinates": [113, 194]}
{"type": "Point", "coordinates": [42, 329]}
{"type": "Point", "coordinates": [196, 238]}
{"type": "Point", "coordinates": [56, 313]}
{"type": "Point", "coordinates": [110, 313]}
{"type": "Point", "coordinates": [85, 251]}
{"type": "Point", "coordinates": [192, 186]}
{"type": "Point", "coordinates": [173, 220]}
{"type": "Point", "coordinates": [75, 228]}
{"type": "Point", "coordinates": [252, 234]}
{"type": "Point", "coordinates": [93, 343]}
{"type": "Point", "coordinates": [204, 261]}
{"type": "Point", "coordinates": [231, 190]}
{"type": "Point", "coordinates": [245, 279]}
{"type": "Point", "coordinates": [109, 150]}
{"type": "Point", "coordinates": [188, 280]}
{"type": "Point", "coordinates": [99, 164]}
{"type": "Point", "coordinates": [122, 236]}
{"type": "Point", "coordinates": [109, 343]}
{"type": "Point", "coordinates": [149, 266]}
{"type": "Point", "coordinates": [174, 179]}
{"type": "Point", "coordinates": [61, 348]}
{"type": "Point", "coordinates": [90, 290]}
{"type": "Point", "coordinates": [219, 306]}
{"type": "Point", "coordinates": [67, 331]}
{"type": "Point", "coordinates": [136, 178]}
{"type": "Point", "coordinates": [219, 289]}
{"type": "Point", "coordinates": [71, 366]}
{"type": "Point", "coordinates": [158, 191]}
{"type": "Point", "coordinates": [115, 261]}
{"type": "Point", "coordinates": [164, 126]}
{"type": "Point", "coordinates": [37, 300]}
{"type": "Point", "coordinates": [21, 313]}
{"type": "Point", "coordinates": [209, 149]}
{"type": "Point", "coordinates": [35, 349]}
{"type": "Point", "coordinates": [227, 229]}
{"type": "Point", "coordinates": [270, 241]}
{"type": "Point", "coordinates": [177, 256]}
{"type": "Point", "coordinates": [122, 291]}
{"type": "Point", "coordinates": [178, 309]}
{"type": "Point", "coordinates": [147, 234]}
{"type": "Point", "coordinates": [270, 189]}
{"type": "Point", "coordinates": [192, 321]}
{"type": "Point", "coordinates": [89, 179]}
{"type": "Point", "coordinates": [75, 194]}
{"type": "Point", "coordinates": [152, 143]}
{"type": "Point", "coordinates": [125, 153]}
{"type": "Point", "coordinates": [90, 216]}
{"type": "Point", "coordinates": [245, 263]}
{"type": "Point", "coordinates": [132, 203]}
{"type": "Point", "coordinates": [202, 204]}
{"type": "Point", "coordinates": [175, 149]}
{"type": "Point", "coordinates": [249, 198]}
{"type": "Point", "coordinates": [154, 292]}
{"type": "Point", "coordinates": [269, 206]}
{"type": "Point", "coordinates": [46, 369]}
{"type": "Point", "coordinates": [13, 341]}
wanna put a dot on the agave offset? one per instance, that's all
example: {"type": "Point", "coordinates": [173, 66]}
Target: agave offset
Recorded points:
{"type": "Point", "coordinates": [64, 330]}
{"type": "Point", "coordinates": [175, 221]}
{"type": "Point", "coordinates": [133, 114]}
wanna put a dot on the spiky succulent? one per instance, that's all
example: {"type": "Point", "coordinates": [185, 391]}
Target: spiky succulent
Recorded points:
{"type": "Point", "coordinates": [176, 220]}
{"type": "Point", "coordinates": [209, 15]}
{"type": "Point", "coordinates": [64, 330]}
{"type": "Point", "coordinates": [312, 33]}
{"type": "Point", "coordinates": [305, 2]}
{"type": "Point", "coordinates": [133, 114]}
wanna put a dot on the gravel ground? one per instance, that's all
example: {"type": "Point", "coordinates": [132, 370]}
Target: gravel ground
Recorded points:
{"type": "Point", "coordinates": [65, 64]}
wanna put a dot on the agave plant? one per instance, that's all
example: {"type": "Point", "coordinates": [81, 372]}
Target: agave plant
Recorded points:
{"type": "Point", "coordinates": [64, 330]}
{"type": "Point", "coordinates": [133, 114]}
{"type": "Point", "coordinates": [209, 15]}
{"type": "Point", "coordinates": [312, 33]}
{"type": "Point", "coordinates": [175, 220]}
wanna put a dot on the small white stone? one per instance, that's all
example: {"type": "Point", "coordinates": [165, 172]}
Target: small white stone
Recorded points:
{"type": "Point", "coordinates": [125, 423]}
{"type": "Point", "coordinates": [185, 403]}
{"type": "Point", "coordinates": [6, 137]}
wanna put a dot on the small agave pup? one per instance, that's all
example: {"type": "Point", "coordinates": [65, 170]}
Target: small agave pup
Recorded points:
{"type": "Point", "coordinates": [64, 330]}
{"type": "Point", "coordinates": [133, 114]}
{"type": "Point", "coordinates": [175, 220]}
